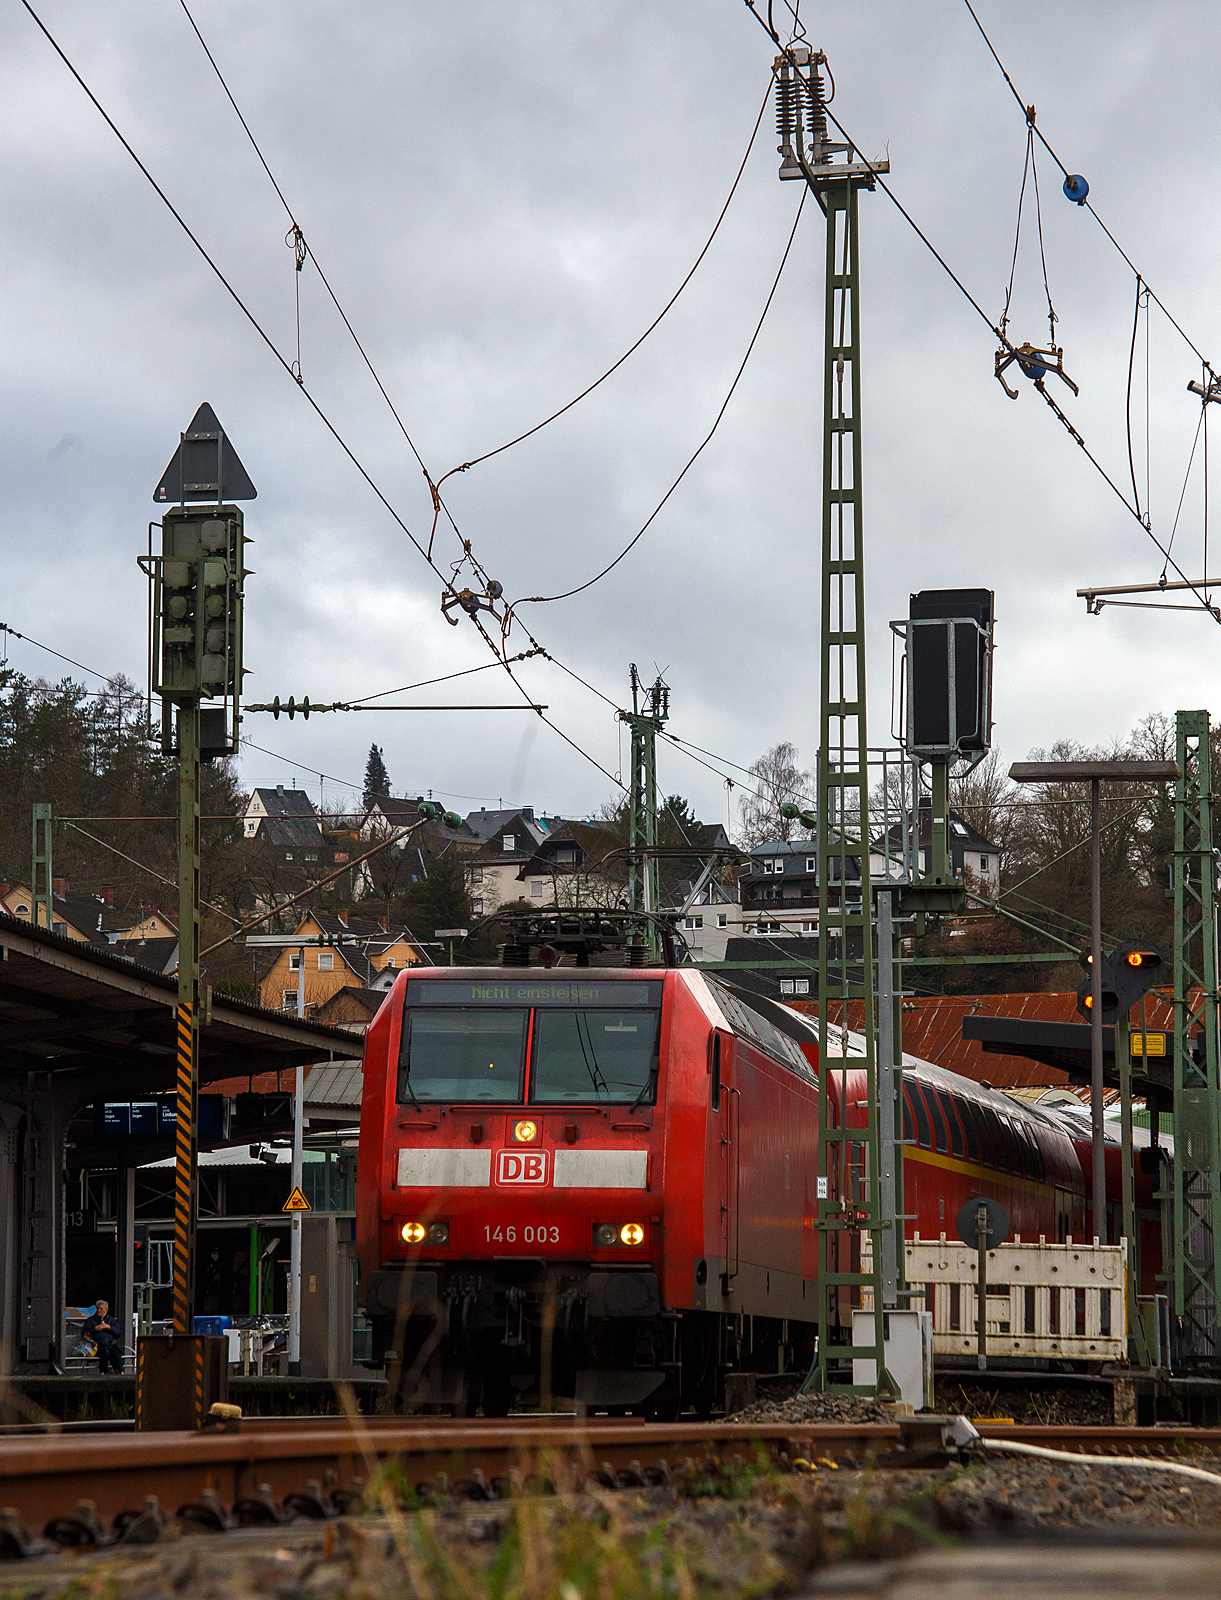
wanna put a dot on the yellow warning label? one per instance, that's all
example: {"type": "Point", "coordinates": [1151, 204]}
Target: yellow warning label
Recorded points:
{"type": "Point", "coordinates": [296, 1202]}
{"type": "Point", "coordinates": [1148, 1044]}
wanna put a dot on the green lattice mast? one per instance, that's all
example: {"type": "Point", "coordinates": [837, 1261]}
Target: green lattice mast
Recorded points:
{"type": "Point", "coordinates": [848, 1198]}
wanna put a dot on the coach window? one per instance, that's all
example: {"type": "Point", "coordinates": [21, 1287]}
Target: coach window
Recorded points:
{"type": "Point", "coordinates": [715, 1089]}
{"type": "Point", "coordinates": [968, 1128]}
{"type": "Point", "coordinates": [909, 1125]}
{"type": "Point", "coordinates": [1001, 1139]}
{"type": "Point", "coordinates": [465, 1056]}
{"type": "Point", "coordinates": [983, 1130]}
{"type": "Point", "coordinates": [924, 1137]}
{"type": "Point", "coordinates": [940, 1137]}
{"type": "Point", "coordinates": [598, 1057]}
{"type": "Point", "coordinates": [1034, 1161]}
{"type": "Point", "coordinates": [951, 1120]}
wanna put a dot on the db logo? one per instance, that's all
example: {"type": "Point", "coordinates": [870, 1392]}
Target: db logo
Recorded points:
{"type": "Point", "coordinates": [521, 1166]}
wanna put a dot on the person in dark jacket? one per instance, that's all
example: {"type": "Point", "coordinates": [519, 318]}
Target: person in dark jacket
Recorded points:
{"type": "Point", "coordinates": [102, 1328]}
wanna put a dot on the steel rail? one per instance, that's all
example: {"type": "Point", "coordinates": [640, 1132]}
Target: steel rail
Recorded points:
{"type": "Point", "coordinates": [43, 1477]}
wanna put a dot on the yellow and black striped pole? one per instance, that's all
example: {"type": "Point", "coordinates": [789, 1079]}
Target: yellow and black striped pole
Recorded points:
{"type": "Point", "coordinates": [187, 1140]}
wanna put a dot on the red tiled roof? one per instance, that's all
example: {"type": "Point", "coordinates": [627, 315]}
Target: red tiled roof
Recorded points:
{"type": "Point", "coordinates": [932, 1030]}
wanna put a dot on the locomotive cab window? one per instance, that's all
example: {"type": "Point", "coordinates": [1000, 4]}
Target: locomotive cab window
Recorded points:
{"type": "Point", "coordinates": [598, 1057]}
{"type": "Point", "coordinates": [462, 1056]}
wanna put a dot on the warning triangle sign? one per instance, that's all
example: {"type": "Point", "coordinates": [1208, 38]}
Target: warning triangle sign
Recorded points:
{"type": "Point", "coordinates": [204, 466]}
{"type": "Point", "coordinates": [296, 1202]}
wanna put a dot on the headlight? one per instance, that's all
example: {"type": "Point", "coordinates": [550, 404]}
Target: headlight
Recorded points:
{"type": "Point", "coordinates": [614, 1233]}
{"type": "Point", "coordinates": [525, 1132]}
{"type": "Point", "coordinates": [438, 1233]}
{"type": "Point", "coordinates": [413, 1232]}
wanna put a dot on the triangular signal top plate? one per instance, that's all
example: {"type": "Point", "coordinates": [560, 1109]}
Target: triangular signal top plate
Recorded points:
{"type": "Point", "coordinates": [192, 472]}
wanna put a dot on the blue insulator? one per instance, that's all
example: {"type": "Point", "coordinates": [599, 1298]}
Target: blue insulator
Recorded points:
{"type": "Point", "coordinates": [1076, 188]}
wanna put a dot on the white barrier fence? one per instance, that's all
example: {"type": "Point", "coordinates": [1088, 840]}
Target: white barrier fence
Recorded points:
{"type": "Point", "coordinates": [1064, 1302]}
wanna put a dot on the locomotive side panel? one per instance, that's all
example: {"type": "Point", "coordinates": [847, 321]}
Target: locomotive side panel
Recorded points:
{"type": "Point", "coordinates": [772, 1148]}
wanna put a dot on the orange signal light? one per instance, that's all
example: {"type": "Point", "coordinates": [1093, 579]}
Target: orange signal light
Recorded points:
{"type": "Point", "coordinates": [1089, 1002]}
{"type": "Point", "coordinates": [1136, 958]}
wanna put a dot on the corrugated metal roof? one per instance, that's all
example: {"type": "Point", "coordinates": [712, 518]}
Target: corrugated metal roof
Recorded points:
{"type": "Point", "coordinates": [932, 1029]}
{"type": "Point", "coordinates": [338, 1085]}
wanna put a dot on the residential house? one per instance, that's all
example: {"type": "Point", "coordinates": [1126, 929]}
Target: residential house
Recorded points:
{"type": "Point", "coordinates": [576, 863]}
{"type": "Point", "coordinates": [364, 948]}
{"type": "Point", "coordinates": [970, 852]}
{"type": "Point", "coordinates": [281, 805]}
{"type": "Point", "coordinates": [509, 839]}
{"type": "Point", "coordinates": [353, 1009]}
{"type": "Point", "coordinates": [152, 925]}
{"type": "Point", "coordinates": [85, 917]}
{"type": "Point", "coordinates": [388, 815]}
{"type": "Point", "coordinates": [408, 859]}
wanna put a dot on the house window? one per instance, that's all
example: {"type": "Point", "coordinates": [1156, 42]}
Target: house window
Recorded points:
{"type": "Point", "coordinates": [476, 874]}
{"type": "Point", "coordinates": [983, 863]}
{"type": "Point", "coordinates": [61, 928]}
{"type": "Point", "coordinates": [958, 828]}
{"type": "Point", "coordinates": [509, 841]}
{"type": "Point", "coordinates": [23, 911]}
{"type": "Point", "coordinates": [722, 919]}
{"type": "Point", "coordinates": [390, 964]}
{"type": "Point", "coordinates": [786, 985]}
{"type": "Point", "coordinates": [690, 923]}
{"type": "Point", "coordinates": [767, 866]}
{"type": "Point", "coordinates": [310, 857]}
{"type": "Point", "coordinates": [477, 907]}
{"type": "Point", "coordinates": [326, 961]}
{"type": "Point", "coordinates": [566, 858]}
{"type": "Point", "coordinates": [342, 855]}
{"type": "Point", "coordinates": [290, 999]}
{"type": "Point", "coordinates": [294, 962]}
{"type": "Point", "coordinates": [778, 865]}
{"type": "Point", "coordinates": [811, 863]}
{"type": "Point", "coordinates": [809, 927]}
{"type": "Point", "coordinates": [288, 855]}
{"type": "Point", "coordinates": [801, 985]}
{"type": "Point", "coordinates": [536, 888]}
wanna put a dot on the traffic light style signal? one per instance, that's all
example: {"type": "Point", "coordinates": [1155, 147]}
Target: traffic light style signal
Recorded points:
{"type": "Point", "coordinates": [197, 611]}
{"type": "Point", "coordinates": [140, 1254]}
{"type": "Point", "coordinates": [1128, 973]}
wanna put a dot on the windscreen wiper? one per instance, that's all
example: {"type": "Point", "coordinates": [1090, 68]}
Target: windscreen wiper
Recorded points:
{"type": "Point", "coordinates": [644, 1088]}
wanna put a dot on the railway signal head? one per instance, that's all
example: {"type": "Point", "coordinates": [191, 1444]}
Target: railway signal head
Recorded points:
{"type": "Point", "coordinates": [1128, 973]}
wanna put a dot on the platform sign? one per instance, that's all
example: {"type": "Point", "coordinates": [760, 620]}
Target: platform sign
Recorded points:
{"type": "Point", "coordinates": [296, 1201]}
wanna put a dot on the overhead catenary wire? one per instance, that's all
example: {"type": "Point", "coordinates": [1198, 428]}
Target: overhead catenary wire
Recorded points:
{"type": "Point", "coordinates": [567, 594]}
{"type": "Point", "coordinates": [1088, 203]}
{"type": "Point", "coordinates": [631, 350]}
{"type": "Point", "coordinates": [446, 581]}
{"type": "Point", "coordinates": [1066, 422]}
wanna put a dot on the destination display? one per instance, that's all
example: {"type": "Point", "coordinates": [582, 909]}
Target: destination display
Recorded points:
{"type": "Point", "coordinates": [503, 991]}
{"type": "Point", "coordinates": [156, 1118]}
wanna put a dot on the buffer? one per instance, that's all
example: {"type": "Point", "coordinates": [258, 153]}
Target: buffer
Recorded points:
{"type": "Point", "coordinates": [205, 466]}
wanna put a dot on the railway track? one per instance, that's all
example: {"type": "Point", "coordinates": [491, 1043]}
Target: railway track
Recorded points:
{"type": "Point", "coordinates": [60, 1489]}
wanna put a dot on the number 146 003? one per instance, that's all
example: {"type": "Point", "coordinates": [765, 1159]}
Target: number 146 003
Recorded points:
{"type": "Point", "coordinates": [521, 1233]}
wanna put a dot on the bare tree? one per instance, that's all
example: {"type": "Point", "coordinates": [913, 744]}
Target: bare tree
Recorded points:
{"type": "Point", "coordinates": [776, 778]}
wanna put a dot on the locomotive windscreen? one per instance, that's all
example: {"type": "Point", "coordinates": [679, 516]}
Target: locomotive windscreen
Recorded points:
{"type": "Point", "coordinates": [554, 1043]}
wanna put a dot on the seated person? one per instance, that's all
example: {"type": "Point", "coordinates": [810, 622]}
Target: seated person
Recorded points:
{"type": "Point", "coordinates": [102, 1328]}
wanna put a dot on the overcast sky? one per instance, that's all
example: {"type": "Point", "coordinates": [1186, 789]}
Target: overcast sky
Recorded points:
{"type": "Point", "coordinates": [503, 196]}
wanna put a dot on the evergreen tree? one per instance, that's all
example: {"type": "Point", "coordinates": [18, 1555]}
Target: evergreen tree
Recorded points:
{"type": "Point", "coordinates": [377, 779]}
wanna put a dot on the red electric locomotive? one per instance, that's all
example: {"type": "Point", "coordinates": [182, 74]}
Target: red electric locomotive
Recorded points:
{"type": "Point", "coordinates": [597, 1185]}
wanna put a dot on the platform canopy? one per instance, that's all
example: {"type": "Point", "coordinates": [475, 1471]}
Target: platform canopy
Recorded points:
{"type": "Point", "coordinates": [67, 1007]}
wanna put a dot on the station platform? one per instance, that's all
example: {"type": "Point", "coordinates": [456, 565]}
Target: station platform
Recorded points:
{"type": "Point", "coordinates": [94, 1398]}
